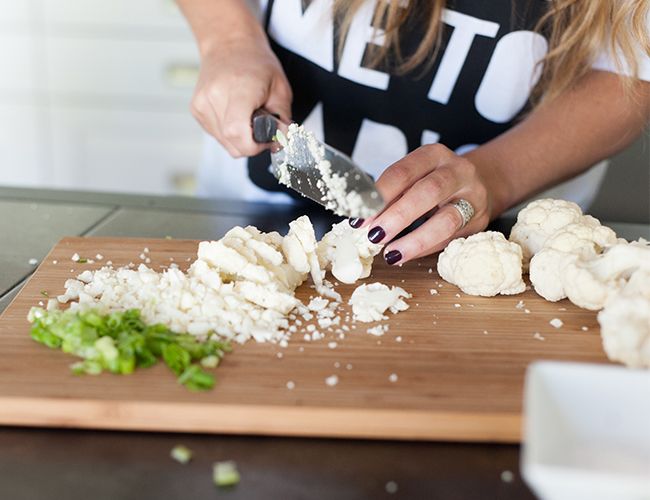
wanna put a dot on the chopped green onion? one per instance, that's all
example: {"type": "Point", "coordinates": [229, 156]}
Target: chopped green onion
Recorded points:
{"type": "Point", "coordinates": [82, 260]}
{"type": "Point", "coordinates": [168, 237]}
{"type": "Point", "coordinates": [181, 453]}
{"type": "Point", "coordinates": [120, 342]}
{"type": "Point", "coordinates": [281, 138]}
{"type": "Point", "coordinates": [46, 294]}
{"type": "Point", "coordinates": [225, 473]}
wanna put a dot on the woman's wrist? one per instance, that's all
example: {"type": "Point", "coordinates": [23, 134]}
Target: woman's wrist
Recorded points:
{"type": "Point", "coordinates": [217, 25]}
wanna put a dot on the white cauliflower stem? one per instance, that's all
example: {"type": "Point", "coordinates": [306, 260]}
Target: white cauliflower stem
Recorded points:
{"type": "Point", "coordinates": [483, 264]}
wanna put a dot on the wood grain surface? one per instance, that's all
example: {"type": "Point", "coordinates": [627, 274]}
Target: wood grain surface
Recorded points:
{"type": "Point", "coordinates": [459, 360]}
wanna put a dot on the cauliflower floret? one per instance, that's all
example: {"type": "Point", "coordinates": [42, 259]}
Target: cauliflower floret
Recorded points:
{"type": "Point", "coordinates": [585, 235]}
{"type": "Point", "coordinates": [347, 252]}
{"type": "Point", "coordinates": [484, 264]}
{"type": "Point", "coordinates": [625, 322]}
{"type": "Point", "coordinates": [589, 278]}
{"type": "Point", "coordinates": [539, 220]}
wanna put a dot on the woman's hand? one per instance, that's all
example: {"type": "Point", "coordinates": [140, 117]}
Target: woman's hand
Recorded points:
{"type": "Point", "coordinates": [427, 182]}
{"type": "Point", "coordinates": [237, 78]}
{"type": "Point", "coordinates": [239, 73]}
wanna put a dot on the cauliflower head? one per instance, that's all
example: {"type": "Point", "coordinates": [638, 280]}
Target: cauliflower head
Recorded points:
{"type": "Point", "coordinates": [539, 220]}
{"type": "Point", "coordinates": [585, 235]}
{"type": "Point", "coordinates": [483, 264]}
{"type": "Point", "coordinates": [625, 322]}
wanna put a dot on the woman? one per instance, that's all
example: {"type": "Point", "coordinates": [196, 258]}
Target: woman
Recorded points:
{"type": "Point", "coordinates": [480, 105]}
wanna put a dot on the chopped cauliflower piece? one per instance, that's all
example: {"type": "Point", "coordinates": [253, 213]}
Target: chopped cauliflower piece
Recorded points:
{"type": "Point", "coordinates": [625, 322]}
{"type": "Point", "coordinates": [585, 235]}
{"type": "Point", "coordinates": [370, 302]}
{"type": "Point", "coordinates": [347, 252]}
{"type": "Point", "coordinates": [539, 220]}
{"type": "Point", "coordinates": [483, 264]}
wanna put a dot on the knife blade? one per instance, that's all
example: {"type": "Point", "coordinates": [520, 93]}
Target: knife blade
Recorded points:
{"type": "Point", "coordinates": [316, 170]}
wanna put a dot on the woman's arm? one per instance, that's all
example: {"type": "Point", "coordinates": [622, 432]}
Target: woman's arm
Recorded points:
{"type": "Point", "coordinates": [592, 122]}
{"type": "Point", "coordinates": [239, 73]}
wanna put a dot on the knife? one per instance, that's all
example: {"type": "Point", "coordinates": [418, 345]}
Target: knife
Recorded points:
{"type": "Point", "coordinates": [343, 187]}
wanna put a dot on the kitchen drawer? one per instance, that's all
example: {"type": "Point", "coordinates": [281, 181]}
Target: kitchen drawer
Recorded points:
{"type": "Point", "coordinates": [124, 151]}
{"type": "Point", "coordinates": [120, 67]}
{"type": "Point", "coordinates": [21, 147]}
{"type": "Point", "coordinates": [17, 62]}
{"type": "Point", "coordinates": [146, 13]}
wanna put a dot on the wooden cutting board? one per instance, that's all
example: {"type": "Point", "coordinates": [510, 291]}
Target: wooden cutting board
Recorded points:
{"type": "Point", "coordinates": [457, 363]}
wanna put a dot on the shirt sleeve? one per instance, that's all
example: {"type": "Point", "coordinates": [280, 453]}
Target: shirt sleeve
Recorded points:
{"type": "Point", "coordinates": [605, 62]}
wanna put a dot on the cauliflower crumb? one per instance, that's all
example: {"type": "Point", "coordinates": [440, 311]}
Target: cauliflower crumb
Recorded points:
{"type": "Point", "coordinates": [291, 385]}
{"type": "Point", "coordinates": [556, 322]}
{"type": "Point", "coordinates": [332, 380]}
{"type": "Point", "coordinates": [393, 377]}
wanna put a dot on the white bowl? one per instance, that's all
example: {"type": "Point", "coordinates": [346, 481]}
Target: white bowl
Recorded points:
{"type": "Point", "coordinates": [586, 431]}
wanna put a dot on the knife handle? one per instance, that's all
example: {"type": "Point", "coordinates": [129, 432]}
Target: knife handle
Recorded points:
{"type": "Point", "coordinates": [265, 124]}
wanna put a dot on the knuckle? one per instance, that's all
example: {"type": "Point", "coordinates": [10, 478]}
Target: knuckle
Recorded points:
{"type": "Point", "coordinates": [450, 220]}
{"type": "Point", "coordinates": [400, 174]}
{"type": "Point", "coordinates": [400, 215]}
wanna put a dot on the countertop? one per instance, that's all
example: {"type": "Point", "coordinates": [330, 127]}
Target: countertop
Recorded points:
{"type": "Point", "coordinates": [69, 464]}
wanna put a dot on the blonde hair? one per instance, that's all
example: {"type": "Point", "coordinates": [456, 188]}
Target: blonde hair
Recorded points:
{"type": "Point", "coordinates": [577, 31]}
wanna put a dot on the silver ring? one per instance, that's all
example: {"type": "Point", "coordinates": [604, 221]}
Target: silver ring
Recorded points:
{"type": "Point", "coordinates": [465, 209]}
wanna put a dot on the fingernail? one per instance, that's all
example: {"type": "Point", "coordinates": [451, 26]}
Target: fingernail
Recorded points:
{"type": "Point", "coordinates": [355, 222]}
{"type": "Point", "coordinates": [376, 234]}
{"type": "Point", "coordinates": [393, 257]}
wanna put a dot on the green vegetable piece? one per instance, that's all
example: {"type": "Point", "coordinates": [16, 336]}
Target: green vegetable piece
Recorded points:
{"type": "Point", "coordinates": [46, 294]}
{"type": "Point", "coordinates": [176, 358]}
{"type": "Point", "coordinates": [281, 138]}
{"type": "Point", "coordinates": [82, 260]}
{"type": "Point", "coordinates": [196, 380]}
{"type": "Point", "coordinates": [225, 473]}
{"type": "Point", "coordinates": [210, 361]}
{"type": "Point", "coordinates": [181, 453]}
{"type": "Point", "coordinates": [40, 334]}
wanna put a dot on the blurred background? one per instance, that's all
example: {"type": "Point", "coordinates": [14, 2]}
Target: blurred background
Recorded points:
{"type": "Point", "coordinates": [95, 96]}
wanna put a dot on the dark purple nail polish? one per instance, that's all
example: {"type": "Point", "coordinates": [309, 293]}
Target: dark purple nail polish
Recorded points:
{"type": "Point", "coordinates": [356, 222]}
{"type": "Point", "coordinates": [376, 234]}
{"type": "Point", "coordinates": [393, 257]}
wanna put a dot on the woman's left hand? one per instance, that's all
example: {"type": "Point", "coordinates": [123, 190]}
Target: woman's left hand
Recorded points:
{"type": "Point", "coordinates": [427, 182]}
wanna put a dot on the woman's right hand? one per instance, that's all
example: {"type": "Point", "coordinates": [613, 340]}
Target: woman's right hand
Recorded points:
{"type": "Point", "coordinates": [236, 78]}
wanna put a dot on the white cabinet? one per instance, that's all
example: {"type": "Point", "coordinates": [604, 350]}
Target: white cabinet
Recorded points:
{"type": "Point", "coordinates": [17, 56]}
{"type": "Point", "coordinates": [120, 67]}
{"type": "Point", "coordinates": [119, 13]}
{"type": "Point", "coordinates": [124, 151]}
{"type": "Point", "coordinates": [21, 163]}
{"type": "Point", "coordinates": [96, 95]}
